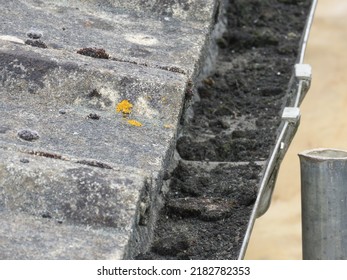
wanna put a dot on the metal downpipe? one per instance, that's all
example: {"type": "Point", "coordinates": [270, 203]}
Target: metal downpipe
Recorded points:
{"type": "Point", "coordinates": [324, 204]}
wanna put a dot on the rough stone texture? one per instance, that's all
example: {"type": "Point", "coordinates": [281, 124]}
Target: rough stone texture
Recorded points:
{"type": "Point", "coordinates": [64, 190]}
{"type": "Point", "coordinates": [36, 87]}
{"type": "Point", "coordinates": [157, 33]}
{"type": "Point", "coordinates": [77, 181]}
{"type": "Point", "coordinates": [28, 237]}
{"type": "Point", "coordinates": [73, 192]}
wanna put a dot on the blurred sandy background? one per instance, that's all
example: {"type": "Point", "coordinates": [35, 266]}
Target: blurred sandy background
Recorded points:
{"type": "Point", "coordinates": [277, 234]}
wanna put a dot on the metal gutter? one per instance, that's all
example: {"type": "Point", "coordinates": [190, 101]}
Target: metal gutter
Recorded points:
{"type": "Point", "coordinates": [298, 88]}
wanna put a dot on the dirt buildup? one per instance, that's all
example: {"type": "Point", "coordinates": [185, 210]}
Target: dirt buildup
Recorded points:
{"type": "Point", "coordinates": [36, 43]}
{"type": "Point", "coordinates": [95, 163]}
{"type": "Point", "coordinates": [94, 52]}
{"type": "Point", "coordinates": [45, 154]}
{"type": "Point", "coordinates": [206, 209]}
{"type": "Point", "coordinates": [224, 145]}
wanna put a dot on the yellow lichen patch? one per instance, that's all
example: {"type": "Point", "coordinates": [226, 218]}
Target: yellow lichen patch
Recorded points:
{"type": "Point", "coordinates": [125, 107]}
{"type": "Point", "coordinates": [134, 123]}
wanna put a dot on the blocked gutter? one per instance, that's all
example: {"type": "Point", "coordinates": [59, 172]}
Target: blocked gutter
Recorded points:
{"type": "Point", "coordinates": [298, 87]}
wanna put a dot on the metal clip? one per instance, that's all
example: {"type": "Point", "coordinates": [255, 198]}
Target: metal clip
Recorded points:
{"type": "Point", "coordinates": [291, 114]}
{"type": "Point", "coordinates": [303, 72]}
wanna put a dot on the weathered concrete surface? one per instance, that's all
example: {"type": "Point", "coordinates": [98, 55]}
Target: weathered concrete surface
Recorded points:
{"type": "Point", "coordinates": [73, 170]}
{"type": "Point", "coordinates": [28, 237]}
{"type": "Point", "coordinates": [54, 95]}
{"type": "Point", "coordinates": [157, 33]}
{"type": "Point", "coordinates": [64, 190]}
{"type": "Point", "coordinates": [71, 192]}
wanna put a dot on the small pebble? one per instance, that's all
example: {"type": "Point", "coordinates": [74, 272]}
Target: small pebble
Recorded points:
{"type": "Point", "coordinates": [62, 111]}
{"type": "Point", "coordinates": [24, 160]}
{"type": "Point", "coordinates": [93, 116]}
{"type": "Point", "coordinates": [34, 34]}
{"type": "Point", "coordinates": [28, 135]}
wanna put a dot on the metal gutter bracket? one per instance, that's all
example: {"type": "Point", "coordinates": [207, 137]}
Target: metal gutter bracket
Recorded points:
{"type": "Point", "coordinates": [303, 74]}
{"type": "Point", "coordinates": [291, 114]}
{"type": "Point", "coordinates": [291, 121]}
{"type": "Point", "coordinates": [303, 71]}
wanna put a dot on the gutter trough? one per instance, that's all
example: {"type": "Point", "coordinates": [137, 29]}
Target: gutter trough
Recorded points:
{"type": "Point", "coordinates": [298, 87]}
{"type": "Point", "coordinates": [236, 132]}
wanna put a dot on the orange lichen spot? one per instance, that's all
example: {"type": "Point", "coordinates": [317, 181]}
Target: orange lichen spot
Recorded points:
{"type": "Point", "coordinates": [124, 107]}
{"type": "Point", "coordinates": [134, 123]}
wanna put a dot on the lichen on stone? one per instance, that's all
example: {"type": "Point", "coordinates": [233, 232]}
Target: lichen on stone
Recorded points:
{"type": "Point", "coordinates": [134, 123]}
{"type": "Point", "coordinates": [124, 107]}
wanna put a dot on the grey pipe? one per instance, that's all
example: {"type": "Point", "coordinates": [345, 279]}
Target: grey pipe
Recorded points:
{"type": "Point", "coordinates": [324, 204]}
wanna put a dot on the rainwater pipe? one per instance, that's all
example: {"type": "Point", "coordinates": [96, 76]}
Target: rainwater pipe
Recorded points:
{"type": "Point", "coordinates": [324, 204]}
